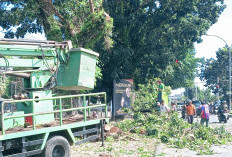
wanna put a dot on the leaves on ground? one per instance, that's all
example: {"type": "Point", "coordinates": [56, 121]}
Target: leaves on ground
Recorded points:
{"type": "Point", "coordinates": [176, 132]}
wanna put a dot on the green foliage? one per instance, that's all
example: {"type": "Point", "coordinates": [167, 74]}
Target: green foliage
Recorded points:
{"type": "Point", "coordinates": [146, 95]}
{"type": "Point", "coordinates": [175, 131]}
{"type": "Point", "coordinates": [109, 139]}
{"type": "Point", "coordinates": [98, 74]}
{"type": "Point", "coordinates": [200, 94]}
{"type": "Point", "coordinates": [144, 40]}
{"type": "Point", "coordinates": [149, 36]}
{"type": "Point", "coordinates": [182, 74]}
{"type": "Point", "coordinates": [59, 20]}
{"type": "Point", "coordinates": [205, 95]}
{"type": "Point", "coordinates": [5, 86]}
{"type": "Point", "coordinates": [217, 69]}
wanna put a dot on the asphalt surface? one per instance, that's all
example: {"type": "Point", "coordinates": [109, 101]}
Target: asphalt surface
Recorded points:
{"type": "Point", "coordinates": [213, 121]}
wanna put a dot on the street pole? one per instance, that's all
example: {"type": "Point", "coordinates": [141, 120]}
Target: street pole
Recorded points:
{"type": "Point", "coordinates": [217, 94]}
{"type": "Point", "coordinates": [196, 93]}
{"type": "Point", "coordinates": [229, 78]}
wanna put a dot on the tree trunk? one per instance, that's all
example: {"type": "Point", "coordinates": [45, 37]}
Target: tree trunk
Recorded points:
{"type": "Point", "coordinates": [91, 6]}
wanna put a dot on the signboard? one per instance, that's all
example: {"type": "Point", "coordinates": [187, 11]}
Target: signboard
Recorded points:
{"type": "Point", "coordinates": [122, 96]}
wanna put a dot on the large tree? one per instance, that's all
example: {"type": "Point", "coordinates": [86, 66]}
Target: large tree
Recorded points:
{"type": "Point", "coordinates": [148, 36]}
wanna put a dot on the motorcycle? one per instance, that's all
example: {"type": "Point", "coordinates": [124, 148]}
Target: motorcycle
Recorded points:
{"type": "Point", "coordinates": [211, 111]}
{"type": "Point", "coordinates": [223, 116]}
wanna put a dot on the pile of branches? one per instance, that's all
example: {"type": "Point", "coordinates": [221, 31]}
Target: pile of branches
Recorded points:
{"type": "Point", "coordinates": [176, 132]}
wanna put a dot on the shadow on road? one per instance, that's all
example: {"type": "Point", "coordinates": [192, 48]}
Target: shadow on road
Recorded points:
{"type": "Point", "coordinates": [216, 123]}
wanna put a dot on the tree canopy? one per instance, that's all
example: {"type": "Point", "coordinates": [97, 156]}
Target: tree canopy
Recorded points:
{"type": "Point", "coordinates": [149, 36]}
{"type": "Point", "coordinates": [84, 22]}
{"type": "Point", "coordinates": [216, 72]}
{"type": "Point", "coordinates": [146, 40]}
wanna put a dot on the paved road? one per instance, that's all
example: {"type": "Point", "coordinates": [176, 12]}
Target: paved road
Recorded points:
{"type": "Point", "coordinates": [220, 151]}
{"type": "Point", "coordinates": [214, 122]}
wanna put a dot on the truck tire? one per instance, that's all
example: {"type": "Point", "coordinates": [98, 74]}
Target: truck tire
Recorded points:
{"type": "Point", "coordinates": [57, 146]}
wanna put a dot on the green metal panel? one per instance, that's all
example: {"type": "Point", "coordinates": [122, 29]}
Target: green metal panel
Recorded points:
{"type": "Point", "coordinates": [25, 53]}
{"type": "Point", "coordinates": [39, 106]}
{"type": "Point", "coordinates": [79, 72]}
{"type": "Point", "coordinates": [26, 83]}
{"type": "Point", "coordinates": [87, 70]}
{"type": "Point", "coordinates": [45, 140]}
{"type": "Point", "coordinates": [71, 135]}
{"type": "Point", "coordinates": [35, 131]}
{"type": "Point", "coordinates": [22, 50]}
{"type": "Point", "coordinates": [39, 79]}
{"type": "Point", "coordinates": [43, 106]}
{"type": "Point", "coordinates": [15, 122]}
{"type": "Point", "coordinates": [50, 129]}
{"type": "Point", "coordinates": [25, 63]}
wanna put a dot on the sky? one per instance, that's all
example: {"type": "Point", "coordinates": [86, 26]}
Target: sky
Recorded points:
{"type": "Point", "coordinates": [210, 45]}
{"type": "Point", "coordinates": [223, 29]}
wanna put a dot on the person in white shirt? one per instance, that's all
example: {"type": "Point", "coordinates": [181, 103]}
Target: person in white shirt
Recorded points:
{"type": "Point", "coordinates": [163, 108]}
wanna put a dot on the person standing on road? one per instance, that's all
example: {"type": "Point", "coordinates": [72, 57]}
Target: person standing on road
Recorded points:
{"type": "Point", "coordinates": [183, 111]}
{"type": "Point", "coordinates": [211, 107]}
{"type": "Point", "coordinates": [205, 114]}
{"type": "Point", "coordinates": [158, 106]}
{"type": "Point", "coordinates": [173, 107]}
{"type": "Point", "coordinates": [191, 111]}
{"type": "Point", "coordinates": [163, 108]}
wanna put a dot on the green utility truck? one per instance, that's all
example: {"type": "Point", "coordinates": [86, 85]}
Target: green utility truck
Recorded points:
{"type": "Point", "coordinates": [35, 121]}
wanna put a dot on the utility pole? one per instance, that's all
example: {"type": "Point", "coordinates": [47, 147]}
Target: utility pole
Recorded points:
{"type": "Point", "coordinates": [217, 94]}
{"type": "Point", "coordinates": [196, 92]}
{"type": "Point", "coordinates": [229, 78]}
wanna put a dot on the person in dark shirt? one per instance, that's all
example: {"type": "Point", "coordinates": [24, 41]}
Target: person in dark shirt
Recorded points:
{"type": "Point", "coordinates": [183, 111]}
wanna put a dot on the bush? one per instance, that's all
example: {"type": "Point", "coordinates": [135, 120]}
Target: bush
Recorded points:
{"type": "Point", "coordinates": [146, 96]}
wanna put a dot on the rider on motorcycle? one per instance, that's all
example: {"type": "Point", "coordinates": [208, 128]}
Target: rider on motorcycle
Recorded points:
{"type": "Point", "coordinates": [222, 112]}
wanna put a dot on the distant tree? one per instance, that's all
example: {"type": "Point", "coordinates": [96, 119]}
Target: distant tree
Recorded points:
{"type": "Point", "coordinates": [195, 93]}
{"type": "Point", "coordinates": [217, 69]}
{"type": "Point", "coordinates": [189, 94]}
{"type": "Point", "coordinates": [205, 95]}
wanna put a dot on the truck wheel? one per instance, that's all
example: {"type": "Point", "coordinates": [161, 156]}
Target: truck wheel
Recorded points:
{"type": "Point", "coordinates": [57, 146]}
